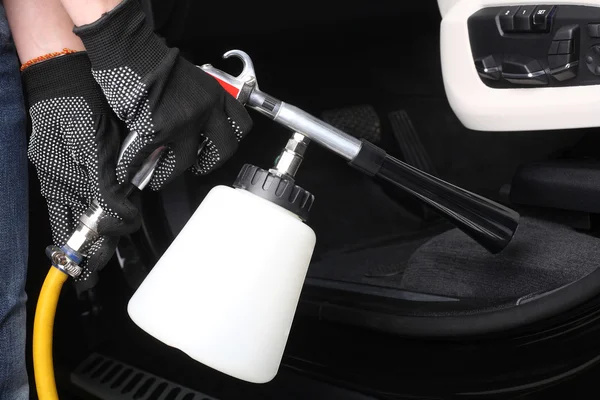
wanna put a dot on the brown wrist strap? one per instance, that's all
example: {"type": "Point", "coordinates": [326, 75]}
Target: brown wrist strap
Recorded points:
{"type": "Point", "coordinates": [46, 57]}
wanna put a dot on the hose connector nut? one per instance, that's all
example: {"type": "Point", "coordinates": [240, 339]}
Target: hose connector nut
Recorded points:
{"type": "Point", "coordinates": [61, 261]}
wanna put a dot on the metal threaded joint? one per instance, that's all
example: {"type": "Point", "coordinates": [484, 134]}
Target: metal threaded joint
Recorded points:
{"type": "Point", "coordinates": [290, 159]}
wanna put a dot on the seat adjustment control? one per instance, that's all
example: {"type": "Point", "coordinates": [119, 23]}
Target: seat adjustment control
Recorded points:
{"type": "Point", "coordinates": [506, 17]}
{"type": "Point", "coordinates": [535, 45]}
{"type": "Point", "coordinates": [562, 54]}
{"type": "Point", "coordinates": [561, 60]}
{"type": "Point", "coordinates": [592, 59]}
{"type": "Point", "coordinates": [563, 66]}
{"type": "Point", "coordinates": [524, 19]}
{"type": "Point", "coordinates": [542, 18]}
{"type": "Point", "coordinates": [565, 47]}
{"type": "Point", "coordinates": [594, 30]}
{"type": "Point", "coordinates": [488, 68]}
{"type": "Point", "coordinates": [522, 70]}
{"type": "Point", "coordinates": [567, 32]}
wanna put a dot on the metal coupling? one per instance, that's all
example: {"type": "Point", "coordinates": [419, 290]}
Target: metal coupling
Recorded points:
{"type": "Point", "coordinates": [61, 261]}
{"type": "Point", "coordinates": [290, 159]}
{"type": "Point", "coordinates": [87, 230]}
{"type": "Point", "coordinates": [68, 257]}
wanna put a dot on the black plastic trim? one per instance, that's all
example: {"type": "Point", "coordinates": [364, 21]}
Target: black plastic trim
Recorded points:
{"type": "Point", "coordinates": [496, 319]}
{"type": "Point", "coordinates": [378, 291]}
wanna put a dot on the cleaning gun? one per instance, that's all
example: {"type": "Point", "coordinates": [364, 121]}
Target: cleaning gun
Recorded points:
{"type": "Point", "coordinates": [490, 224]}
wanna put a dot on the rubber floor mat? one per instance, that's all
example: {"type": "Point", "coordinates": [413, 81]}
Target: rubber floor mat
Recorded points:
{"type": "Point", "coordinates": [359, 121]}
{"type": "Point", "coordinates": [383, 265]}
{"type": "Point", "coordinates": [109, 379]}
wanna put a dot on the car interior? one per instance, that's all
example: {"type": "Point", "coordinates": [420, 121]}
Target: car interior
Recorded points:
{"type": "Point", "coordinates": [397, 302]}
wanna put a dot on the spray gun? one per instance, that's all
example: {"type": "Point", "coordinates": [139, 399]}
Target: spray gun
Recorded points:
{"type": "Point", "coordinates": [244, 253]}
{"type": "Point", "coordinates": [491, 224]}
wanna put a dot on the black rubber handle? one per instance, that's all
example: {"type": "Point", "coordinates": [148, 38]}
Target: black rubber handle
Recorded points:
{"type": "Point", "coordinates": [490, 224]}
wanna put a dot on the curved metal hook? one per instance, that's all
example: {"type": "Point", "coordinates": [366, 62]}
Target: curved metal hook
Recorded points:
{"type": "Point", "coordinates": [248, 67]}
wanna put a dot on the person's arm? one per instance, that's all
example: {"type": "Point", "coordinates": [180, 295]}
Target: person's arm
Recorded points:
{"type": "Point", "coordinates": [85, 12]}
{"type": "Point", "coordinates": [40, 27]}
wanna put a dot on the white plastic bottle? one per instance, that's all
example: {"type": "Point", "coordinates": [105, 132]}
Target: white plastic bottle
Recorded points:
{"type": "Point", "coordinates": [226, 290]}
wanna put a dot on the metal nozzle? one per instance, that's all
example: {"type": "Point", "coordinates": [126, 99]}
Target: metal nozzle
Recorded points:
{"type": "Point", "coordinates": [87, 229]}
{"type": "Point", "coordinates": [290, 159]}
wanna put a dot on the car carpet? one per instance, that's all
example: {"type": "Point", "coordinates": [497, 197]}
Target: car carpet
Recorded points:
{"type": "Point", "coordinates": [352, 212]}
{"type": "Point", "coordinates": [541, 257]}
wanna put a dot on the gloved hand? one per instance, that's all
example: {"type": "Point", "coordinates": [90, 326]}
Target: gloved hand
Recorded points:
{"type": "Point", "coordinates": [162, 97]}
{"type": "Point", "coordinates": [74, 146]}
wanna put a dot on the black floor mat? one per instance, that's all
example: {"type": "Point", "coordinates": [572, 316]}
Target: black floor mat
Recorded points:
{"type": "Point", "coordinates": [542, 256]}
{"type": "Point", "coordinates": [381, 266]}
{"type": "Point", "coordinates": [110, 379]}
{"type": "Point", "coordinates": [351, 211]}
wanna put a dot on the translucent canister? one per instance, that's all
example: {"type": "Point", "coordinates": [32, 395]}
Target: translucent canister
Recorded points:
{"type": "Point", "coordinates": [226, 290]}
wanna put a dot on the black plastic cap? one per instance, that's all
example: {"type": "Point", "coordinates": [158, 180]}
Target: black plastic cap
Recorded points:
{"type": "Point", "coordinates": [277, 189]}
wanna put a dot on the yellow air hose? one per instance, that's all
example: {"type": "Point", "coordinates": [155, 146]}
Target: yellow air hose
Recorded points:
{"type": "Point", "coordinates": [43, 324]}
{"type": "Point", "coordinates": [43, 327]}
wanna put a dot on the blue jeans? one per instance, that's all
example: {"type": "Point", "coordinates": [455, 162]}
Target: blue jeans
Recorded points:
{"type": "Point", "coordinates": [13, 222]}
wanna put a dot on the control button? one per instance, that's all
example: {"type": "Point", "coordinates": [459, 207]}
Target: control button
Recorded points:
{"type": "Point", "coordinates": [561, 60]}
{"type": "Point", "coordinates": [523, 70]}
{"type": "Point", "coordinates": [553, 47]}
{"type": "Point", "coordinates": [594, 30]}
{"type": "Point", "coordinates": [563, 66]}
{"type": "Point", "coordinates": [488, 68]}
{"type": "Point", "coordinates": [566, 72]}
{"type": "Point", "coordinates": [542, 18]}
{"type": "Point", "coordinates": [592, 59]}
{"type": "Point", "coordinates": [567, 32]}
{"type": "Point", "coordinates": [565, 47]}
{"type": "Point", "coordinates": [507, 18]}
{"type": "Point", "coordinates": [524, 19]}
{"type": "Point", "coordinates": [564, 63]}
{"type": "Point", "coordinates": [518, 64]}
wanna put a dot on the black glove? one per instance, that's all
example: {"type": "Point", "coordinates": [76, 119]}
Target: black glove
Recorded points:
{"type": "Point", "coordinates": [74, 146]}
{"type": "Point", "coordinates": [162, 97]}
